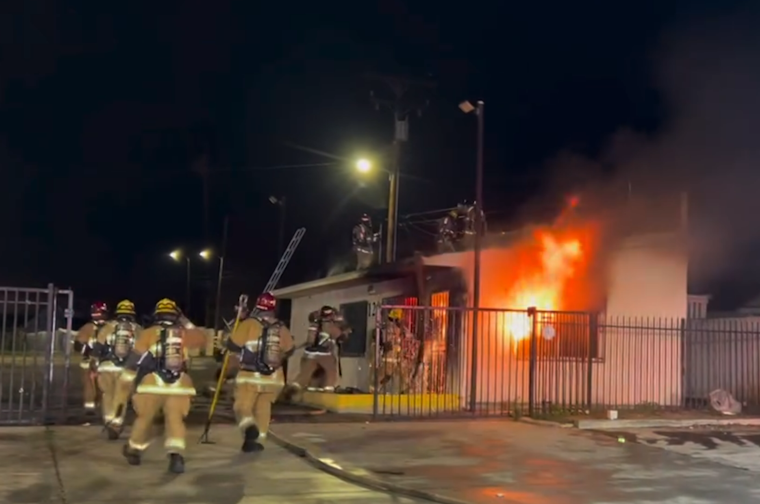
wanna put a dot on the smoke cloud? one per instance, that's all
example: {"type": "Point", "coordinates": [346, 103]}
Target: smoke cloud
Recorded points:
{"type": "Point", "coordinates": [707, 72]}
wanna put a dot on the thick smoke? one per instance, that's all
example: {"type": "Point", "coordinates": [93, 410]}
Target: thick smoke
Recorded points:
{"type": "Point", "coordinates": [708, 74]}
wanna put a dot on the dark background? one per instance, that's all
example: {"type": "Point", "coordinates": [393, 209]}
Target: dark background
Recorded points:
{"type": "Point", "coordinates": [111, 112]}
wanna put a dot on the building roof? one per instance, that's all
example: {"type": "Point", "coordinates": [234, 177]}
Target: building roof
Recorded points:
{"type": "Point", "coordinates": [380, 272]}
{"type": "Point", "coordinates": [391, 271]}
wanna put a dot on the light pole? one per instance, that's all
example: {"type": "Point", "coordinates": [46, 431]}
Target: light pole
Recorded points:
{"type": "Point", "coordinates": [177, 256]}
{"type": "Point", "coordinates": [467, 107]}
{"type": "Point", "coordinates": [220, 275]}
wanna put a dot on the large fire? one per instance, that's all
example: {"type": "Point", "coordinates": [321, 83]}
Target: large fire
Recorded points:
{"type": "Point", "coordinates": [544, 272]}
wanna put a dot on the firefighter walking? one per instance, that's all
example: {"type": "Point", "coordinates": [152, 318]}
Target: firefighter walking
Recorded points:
{"type": "Point", "coordinates": [83, 343]}
{"type": "Point", "coordinates": [263, 343]}
{"type": "Point", "coordinates": [327, 328]}
{"type": "Point", "coordinates": [157, 369]}
{"type": "Point", "coordinates": [111, 349]}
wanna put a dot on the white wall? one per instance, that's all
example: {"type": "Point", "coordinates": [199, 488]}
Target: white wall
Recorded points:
{"type": "Point", "coordinates": [355, 369]}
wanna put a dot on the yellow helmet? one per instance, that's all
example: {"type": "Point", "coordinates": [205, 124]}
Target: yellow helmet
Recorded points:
{"type": "Point", "coordinates": [395, 314]}
{"type": "Point", "coordinates": [125, 307]}
{"type": "Point", "coordinates": [166, 306]}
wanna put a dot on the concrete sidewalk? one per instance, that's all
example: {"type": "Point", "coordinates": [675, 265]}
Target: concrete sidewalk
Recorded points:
{"type": "Point", "coordinates": [76, 465]}
{"type": "Point", "coordinates": [514, 462]}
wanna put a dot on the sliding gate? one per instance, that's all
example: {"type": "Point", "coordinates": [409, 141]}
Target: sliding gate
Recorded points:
{"type": "Point", "coordinates": [35, 352]}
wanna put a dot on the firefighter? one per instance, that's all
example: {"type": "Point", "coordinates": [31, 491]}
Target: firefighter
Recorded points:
{"type": "Point", "coordinates": [327, 329]}
{"type": "Point", "coordinates": [263, 344]}
{"type": "Point", "coordinates": [111, 350]}
{"type": "Point", "coordinates": [447, 233]}
{"type": "Point", "coordinates": [157, 367]}
{"type": "Point", "coordinates": [469, 226]}
{"type": "Point", "coordinates": [397, 355]}
{"type": "Point", "coordinates": [86, 337]}
{"type": "Point", "coordinates": [364, 243]}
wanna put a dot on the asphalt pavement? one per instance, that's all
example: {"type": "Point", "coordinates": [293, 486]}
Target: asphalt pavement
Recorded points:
{"type": "Point", "coordinates": [75, 465]}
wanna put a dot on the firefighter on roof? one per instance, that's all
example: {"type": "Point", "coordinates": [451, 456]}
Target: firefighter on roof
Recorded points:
{"type": "Point", "coordinates": [86, 337]}
{"type": "Point", "coordinates": [327, 329]}
{"type": "Point", "coordinates": [111, 349]}
{"type": "Point", "coordinates": [262, 343]}
{"type": "Point", "coordinates": [364, 242]}
{"type": "Point", "coordinates": [157, 368]}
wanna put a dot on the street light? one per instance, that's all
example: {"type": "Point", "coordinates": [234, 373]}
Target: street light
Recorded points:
{"type": "Point", "coordinates": [177, 255]}
{"type": "Point", "coordinates": [363, 165]}
{"type": "Point", "coordinates": [467, 108]}
{"type": "Point", "coordinates": [206, 254]}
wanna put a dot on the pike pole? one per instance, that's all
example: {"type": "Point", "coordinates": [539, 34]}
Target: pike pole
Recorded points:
{"type": "Point", "coordinates": [243, 302]}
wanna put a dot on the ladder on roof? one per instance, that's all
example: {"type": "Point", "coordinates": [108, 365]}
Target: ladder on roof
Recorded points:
{"type": "Point", "coordinates": [284, 260]}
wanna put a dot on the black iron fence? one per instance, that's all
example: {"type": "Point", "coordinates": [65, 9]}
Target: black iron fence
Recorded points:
{"type": "Point", "coordinates": [426, 362]}
{"type": "Point", "coordinates": [35, 349]}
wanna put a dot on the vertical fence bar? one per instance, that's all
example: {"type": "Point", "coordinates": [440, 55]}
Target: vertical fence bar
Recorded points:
{"type": "Point", "coordinates": [533, 362]}
{"type": "Point", "coordinates": [49, 363]}
{"type": "Point", "coordinates": [67, 351]}
{"type": "Point", "coordinates": [376, 361]}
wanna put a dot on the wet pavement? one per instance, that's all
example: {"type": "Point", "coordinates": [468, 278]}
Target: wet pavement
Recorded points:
{"type": "Point", "coordinates": [76, 465]}
{"type": "Point", "coordinates": [517, 463]}
{"type": "Point", "coordinates": [737, 446]}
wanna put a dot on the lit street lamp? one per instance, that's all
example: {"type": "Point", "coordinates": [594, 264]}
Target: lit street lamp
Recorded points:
{"type": "Point", "coordinates": [363, 165]}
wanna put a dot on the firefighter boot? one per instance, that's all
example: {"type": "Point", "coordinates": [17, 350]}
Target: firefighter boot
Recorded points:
{"type": "Point", "coordinates": [132, 455]}
{"type": "Point", "coordinates": [113, 432]}
{"type": "Point", "coordinates": [176, 463]}
{"type": "Point", "coordinates": [251, 440]}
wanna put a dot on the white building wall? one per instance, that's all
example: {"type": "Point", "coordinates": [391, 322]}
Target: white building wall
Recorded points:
{"type": "Point", "coordinates": [355, 369]}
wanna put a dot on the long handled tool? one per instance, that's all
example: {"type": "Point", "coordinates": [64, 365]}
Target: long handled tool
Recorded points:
{"type": "Point", "coordinates": [270, 286]}
{"type": "Point", "coordinates": [242, 304]}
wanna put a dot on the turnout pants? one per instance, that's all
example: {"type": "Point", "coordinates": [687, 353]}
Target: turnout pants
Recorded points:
{"type": "Point", "coordinates": [89, 389]}
{"type": "Point", "coordinates": [254, 396]}
{"type": "Point", "coordinates": [364, 260]}
{"type": "Point", "coordinates": [114, 397]}
{"type": "Point", "coordinates": [310, 364]}
{"type": "Point", "coordinates": [174, 408]}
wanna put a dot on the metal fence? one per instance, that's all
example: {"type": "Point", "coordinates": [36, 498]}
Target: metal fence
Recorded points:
{"type": "Point", "coordinates": [541, 363]}
{"type": "Point", "coordinates": [34, 354]}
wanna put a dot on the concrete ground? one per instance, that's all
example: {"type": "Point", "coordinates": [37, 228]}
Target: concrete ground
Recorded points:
{"type": "Point", "coordinates": [513, 462]}
{"type": "Point", "coordinates": [75, 465]}
{"type": "Point", "coordinates": [733, 446]}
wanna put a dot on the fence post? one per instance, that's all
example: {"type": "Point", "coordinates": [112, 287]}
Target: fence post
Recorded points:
{"type": "Point", "coordinates": [684, 356]}
{"type": "Point", "coordinates": [533, 362]}
{"type": "Point", "coordinates": [50, 351]}
{"type": "Point", "coordinates": [376, 361]}
{"type": "Point", "coordinates": [593, 344]}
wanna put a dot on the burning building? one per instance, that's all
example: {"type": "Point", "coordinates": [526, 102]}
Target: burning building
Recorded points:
{"type": "Point", "coordinates": [563, 318]}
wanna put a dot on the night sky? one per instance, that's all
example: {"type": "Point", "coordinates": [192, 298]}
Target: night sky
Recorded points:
{"type": "Point", "coordinates": [111, 111]}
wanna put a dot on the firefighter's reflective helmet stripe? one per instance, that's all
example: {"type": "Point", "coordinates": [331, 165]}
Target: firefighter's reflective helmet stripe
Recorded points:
{"type": "Point", "coordinates": [395, 314]}
{"type": "Point", "coordinates": [125, 307]}
{"type": "Point", "coordinates": [166, 306]}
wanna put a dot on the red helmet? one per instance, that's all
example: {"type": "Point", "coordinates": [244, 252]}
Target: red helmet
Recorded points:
{"type": "Point", "coordinates": [98, 310]}
{"type": "Point", "coordinates": [266, 302]}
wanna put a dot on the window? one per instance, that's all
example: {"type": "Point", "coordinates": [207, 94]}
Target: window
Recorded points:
{"type": "Point", "coordinates": [562, 336]}
{"type": "Point", "coordinates": [356, 316]}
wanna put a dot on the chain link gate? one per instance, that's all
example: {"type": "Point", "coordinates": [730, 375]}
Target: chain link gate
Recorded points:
{"type": "Point", "coordinates": [35, 353]}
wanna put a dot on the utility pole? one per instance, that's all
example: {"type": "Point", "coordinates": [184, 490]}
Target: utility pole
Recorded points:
{"type": "Point", "coordinates": [406, 97]}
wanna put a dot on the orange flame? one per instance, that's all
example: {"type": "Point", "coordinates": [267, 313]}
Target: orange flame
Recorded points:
{"type": "Point", "coordinates": [541, 283]}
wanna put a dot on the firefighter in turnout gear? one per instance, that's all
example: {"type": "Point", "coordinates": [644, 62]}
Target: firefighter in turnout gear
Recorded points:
{"type": "Point", "coordinates": [263, 343]}
{"type": "Point", "coordinates": [85, 339]}
{"type": "Point", "coordinates": [327, 329]}
{"type": "Point", "coordinates": [364, 243]}
{"type": "Point", "coordinates": [397, 355]}
{"type": "Point", "coordinates": [111, 349]}
{"type": "Point", "coordinates": [157, 369]}
{"type": "Point", "coordinates": [447, 233]}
